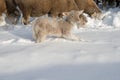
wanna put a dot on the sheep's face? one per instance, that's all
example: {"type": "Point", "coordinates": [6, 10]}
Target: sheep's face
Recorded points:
{"type": "Point", "coordinates": [73, 16]}
{"type": "Point", "coordinates": [13, 17]}
{"type": "Point", "coordinates": [83, 21]}
{"type": "Point", "coordinates": [76, 17]}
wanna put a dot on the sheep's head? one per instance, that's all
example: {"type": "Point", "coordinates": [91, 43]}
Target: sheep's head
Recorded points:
{"type": "Point", "coordinates": [76, 17]}
{"type": "Point", "coordinates": [13, 17]}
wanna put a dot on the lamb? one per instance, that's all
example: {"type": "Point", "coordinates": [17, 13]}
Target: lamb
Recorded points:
{"type": "Point", "coordinates": [44, 27]}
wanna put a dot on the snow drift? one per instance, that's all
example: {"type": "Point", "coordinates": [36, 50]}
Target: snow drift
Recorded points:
{"type": "Point", "coordinates": [97, 57]}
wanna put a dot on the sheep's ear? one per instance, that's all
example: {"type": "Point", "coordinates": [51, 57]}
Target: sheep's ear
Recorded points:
{"type": "Point", "coordinates": [72, 12]}
{"type": "Point", "coordinates": [65, 13]}
{"type": "Point", "coordinates": [80, 12]}
{"type": "Point", "coordinates": [94, 15]}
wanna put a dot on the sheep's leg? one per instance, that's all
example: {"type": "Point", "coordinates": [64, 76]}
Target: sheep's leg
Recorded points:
{"type": "Point", "coordinates": [1, 19]}
{"type": "Point", "coordinates": [117, 3]}
{"type": "Point", "coordinates": [26, 16]}
{"type": "Point", "coordinates": [71, 37]}
{"type": "Point", "coordinates": [34, 35]}
{"type": "Point", "coordinates": [25, 20]}
{"type": "Point", "coordinates": [104, 4]}
{"type": "Point", "coordinates": [40, 37]}
{"type": "Point", "coordinates": [17, 15]}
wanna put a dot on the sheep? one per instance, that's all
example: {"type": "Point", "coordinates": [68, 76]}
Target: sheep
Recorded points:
{"type": "Point", "coordinates": [36, 8]}
{"type": "Point", "coordinates": [47, 26]}
{"type": "Point", "coordinates": [2, 9]}
{"type": "Point", "coordinates": [89, 7]}
{"type": "Point", "coordinates": [54, 8]}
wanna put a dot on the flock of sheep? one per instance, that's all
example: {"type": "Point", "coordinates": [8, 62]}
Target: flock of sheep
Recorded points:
{"type": "Point", "coordinates": [62, 15]}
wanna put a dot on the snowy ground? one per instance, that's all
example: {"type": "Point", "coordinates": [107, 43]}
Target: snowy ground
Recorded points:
{"type": "Point", "coordinates": [96, 58]}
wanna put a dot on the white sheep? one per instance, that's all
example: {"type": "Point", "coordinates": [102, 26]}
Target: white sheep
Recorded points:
{"type": "Point", "coordinates": [47, 26]}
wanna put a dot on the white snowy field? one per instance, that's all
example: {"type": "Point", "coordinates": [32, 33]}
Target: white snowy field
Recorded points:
{"type": "Point", "coordinates": [95, 58]}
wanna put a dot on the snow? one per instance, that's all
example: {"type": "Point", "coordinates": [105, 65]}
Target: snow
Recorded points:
{"type": "Point", "coordinates": [96, 57]}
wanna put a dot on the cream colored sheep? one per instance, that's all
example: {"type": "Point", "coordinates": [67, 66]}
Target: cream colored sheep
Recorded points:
{"type": "Point", "coordinates": [46, 26]}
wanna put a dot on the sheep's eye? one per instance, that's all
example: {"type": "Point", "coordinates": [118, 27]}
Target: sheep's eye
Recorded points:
{"type": "Point", "coordinates": [72, 16]}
